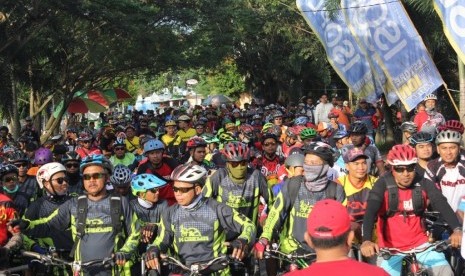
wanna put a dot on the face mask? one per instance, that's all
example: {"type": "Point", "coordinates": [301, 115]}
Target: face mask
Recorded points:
{"type": "Point", "coordinates": [316, 177]}
{"type": "Point", "coordinates": [8, 191]}
{"type": "Point", "coordinates": [237, 173]}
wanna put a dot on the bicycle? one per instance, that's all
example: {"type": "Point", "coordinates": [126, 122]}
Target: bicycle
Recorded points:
{"type": "Point", "coordinates": [410, 264]}
{"type": "Point", "coordinates": [76, 266]}
{"type": "Point", "coordinates": [295, 260]}
{"type": "Point", "coordinates": [196, 269]}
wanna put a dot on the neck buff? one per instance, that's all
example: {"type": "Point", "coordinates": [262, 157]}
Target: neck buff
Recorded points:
{"type": "Point", "coordinates": [144, 203]}
{"type": "Point", "coordinates": [8, 191]}
{"type": "Point", "coordinates": [193, 203]}
{"type": "Point", "coordinates": [237, 174]}
{"type": "Point", "coordinates": [315, 177]}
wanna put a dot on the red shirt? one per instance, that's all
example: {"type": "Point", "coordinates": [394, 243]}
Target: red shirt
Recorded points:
{"type": "Point", "coordinates": [348, 267]}
{"type": "Point", "coordinates": [391, 231]}
{"type": "Point", "coordinates": [7, 213]}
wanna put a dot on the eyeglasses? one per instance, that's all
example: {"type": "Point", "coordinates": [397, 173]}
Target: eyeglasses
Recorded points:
{"type": "Point", "coordinates": [269, 144]}
{"type": "Point", "coordinates": [10, 178]}
{"type": "Point", "coordinates": [72, 165]}
{"type": "Point", "coordinates": [153, 190]}
{"type": "Point", "coordinates": [19, 165]}
{"type": "Point", "coordinates": [236, 163]}
{"type": "Point", "coordinates": [120, 148]}
{"type": "Point", "coordinates": [60, 180]}
{"type": "Point", "coordinates": [401, 169]}
{"type": "Point", "coordinates": [183, 190]}
{"type": "Point", "coordinates": [93, 176]}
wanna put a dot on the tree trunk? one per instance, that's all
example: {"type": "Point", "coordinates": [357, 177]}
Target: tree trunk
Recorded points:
{"type": "Point", "coordinates": [13, 106]}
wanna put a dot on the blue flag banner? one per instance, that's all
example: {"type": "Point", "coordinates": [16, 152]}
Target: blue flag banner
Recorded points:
{"type": "Point", "coordinates": [452, 14]}
{"type": "Point", "coordinates": [385, 30]}
{"type": "Point", "coordinates": [342, 50]}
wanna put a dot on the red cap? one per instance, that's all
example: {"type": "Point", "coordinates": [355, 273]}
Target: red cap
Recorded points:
{"type": "Point", "coordinates": [330, 214]}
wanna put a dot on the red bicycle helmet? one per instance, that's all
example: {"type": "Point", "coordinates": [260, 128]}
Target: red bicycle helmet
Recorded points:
{"type": "Point", "coordinates": [236, 152]}
{"type": "Point", "coordinates": [453, 125]}
{"type": "Point", "coordinates": [333, 115]}
{"type": "Point", "coordinates": [246, 130]}
{"type": "Point", "coordinates": [292, 132]}
{"type": "Point", "coordinates": [402, 155]}
{"type": "Point", "coordinates": [195, 142]}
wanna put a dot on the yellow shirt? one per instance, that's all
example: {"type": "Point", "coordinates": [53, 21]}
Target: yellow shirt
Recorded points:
{"type": "Point", "coordinates": [186, 135]}
{"type": "Point", "coordinates": [166, 139]}
{"type": "Point", "coordinates": [132, 144]}
{"type": "Point", "coordinates": [356, 197]}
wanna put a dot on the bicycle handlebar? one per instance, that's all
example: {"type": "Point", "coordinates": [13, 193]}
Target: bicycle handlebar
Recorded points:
{"type": "Point", "coordinates": [50, 259]}
{"type": "Point", "coordinates": [292, 257]}
{"type": "Point", "coordinates": [388, 252]}
{"type": "Point", "coordinates": [222, 261]}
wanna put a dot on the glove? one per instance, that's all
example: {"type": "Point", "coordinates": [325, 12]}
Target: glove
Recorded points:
{"type": "Point", "coordinates": [238, 244]}
{"type": "Point", "coordinates": [39, 249]}
{"type": "Point", "coordinates": [121, 257]}
{"type": "Point", "coordinates": [148, 230]}
{"type": "Point", "coordinates": [261, 245]}
{"type": "Point", "coordinates": [20, 224]}
{"type": "Point", "coordinates": [152, 253]}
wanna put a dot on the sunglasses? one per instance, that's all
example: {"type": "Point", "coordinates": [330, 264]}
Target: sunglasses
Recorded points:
{"type": "Point", "coordinates": [19, 165]}
{"type": "Point", "coordinates": [237, 163]}
{"type": "Point", "coordinates": [72, 165]}
{"type": "Point", "coordinates": [93, 176]}
{"type": "Point", "coordinates": [60, 180]}
{"type": "Point", "coordinates": [269, 144]}
{"type": "Point", "coordinates": [10, 178]}
{"type": "Point", "coordinates": [119, 148]}
{"type": "Point", "coordinates": [183, 190]}
{"type": "Point", "coordinates": [86, 142]}
{"type": "Point", "coordinates": [153, 190]}
{"type": "Point", "coordinates": [401, 169]}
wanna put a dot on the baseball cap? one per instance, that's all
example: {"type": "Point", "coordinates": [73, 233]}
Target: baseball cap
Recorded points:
{"type": "Point", "coordinates": [352, 154]}
{"type": "Point", "coordinates": [330, 214]}
{"type": "Point", "coordinates": [322, 126]}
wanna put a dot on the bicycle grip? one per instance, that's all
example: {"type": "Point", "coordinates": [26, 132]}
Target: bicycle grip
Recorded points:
{"type": "Point", "coordinates": [31, 254]}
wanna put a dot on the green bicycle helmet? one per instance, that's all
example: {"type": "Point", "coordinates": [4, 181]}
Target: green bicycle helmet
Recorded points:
{"type": "Point", "coordinates": [226, 137]}
{"type": "Point", "coordinates": [308, 133]}
{"type": "Point", "coordinates": [266, 127]}
{"type": "Point", "coordinates": [209, 138]}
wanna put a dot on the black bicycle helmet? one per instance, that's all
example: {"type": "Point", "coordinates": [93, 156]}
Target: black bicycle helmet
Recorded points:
{"type": "Point", "coordinates": [17, 156]}
{"type": "Point", "coordinates": [420, 137]}
{"type": "Point", "coordinates": [322, 150]}
{"type": "Point", "coordinates": [358, 128]}
{"type": "Point", "coordinates": [71, 156]}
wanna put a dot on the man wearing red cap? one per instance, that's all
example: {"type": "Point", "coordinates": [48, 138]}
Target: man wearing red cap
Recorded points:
{"type": "Point", "coordinates": [329, 234]}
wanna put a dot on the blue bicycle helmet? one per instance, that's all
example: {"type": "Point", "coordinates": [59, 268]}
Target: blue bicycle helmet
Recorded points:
{"type": "Point", "coordinates": [121, 176]}
{"type": "Point", "coordinates": [340, 134]}
{"type": "Point", "coordinates": [153, 144]}
{"type": "Point", "coordinates": [96, 159]}
{"type": "Point", "coordinates": [145, 181]}
{"type": "Point", "coordinates": [301, 121]}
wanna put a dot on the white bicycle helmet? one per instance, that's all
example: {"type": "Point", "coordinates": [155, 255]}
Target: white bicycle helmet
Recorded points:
{"type": "Point", "coordinates": [431, 97]}
{"type": "Point", "coordinates": [448, 136]}
{"type": "Point", "coordinates": [189, 173]}
{"type": "Point", "coordinates": [121, 176]}
{"type": "Point", "coordinates": [45, 172]}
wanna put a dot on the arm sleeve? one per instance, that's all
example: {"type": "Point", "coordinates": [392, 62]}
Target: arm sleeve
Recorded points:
{"type": "Point", "coordinates": [275, 218]}
{"type": "Point", "coordinates": [208, 189]}
{"type": "Point", "coordinates": [374, 202]}
{"type": "Point", "coordinates": [132, 240]}
{"type": "Point", "coordinates": [165, 234]}
{"type": "Point", "coordinates": [439, 203]}
{"type": "Point", "coordinates": [59, 219]}
{"type": "Point", "coordinates": [236, 222]}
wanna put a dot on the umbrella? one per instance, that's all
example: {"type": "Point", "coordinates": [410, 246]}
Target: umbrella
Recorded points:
{"type": "Point", "coordinates": [95, 96]}
{"type": "Point", "coordinates": [83, 105]}
{"type": "Point", "coordinates": [217, 100]}
{"type": "Point", "coordinates": [116, 94]}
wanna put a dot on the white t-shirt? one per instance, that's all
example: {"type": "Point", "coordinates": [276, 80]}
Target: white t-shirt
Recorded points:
{"type": "Point", "coordinates": [453, 186]}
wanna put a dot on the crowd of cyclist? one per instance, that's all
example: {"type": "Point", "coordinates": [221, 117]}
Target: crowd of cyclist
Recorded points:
{"type": "Point", "coordinates": [199, 183]}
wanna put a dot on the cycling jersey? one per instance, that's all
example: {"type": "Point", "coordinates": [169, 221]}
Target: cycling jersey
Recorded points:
{"type": "Point", "coordinates": [356, 197]}
{"type": "Point", "coordinates": [43, 207]}
{"type": "Point", "coordinates": [450, 180]}
{"type": "Point", "coordinates": [185, 135]}
{"type": "Point", "coordinates": [244, 197]}
{"type": "Point", "coordinates": [269, 168]}
{"type": "Point", "coordinates": [197, 234]}
{"type": "Point", "coordinates": [99, 240]}
{"type": "Point", "coordinates": [128, 160]}
{"type": "Point", "coordinates": [133, 144]}
{"type": "Point", "coordinates": [7, 213]}
{"type": "Point", "coordinates": [291, 217]}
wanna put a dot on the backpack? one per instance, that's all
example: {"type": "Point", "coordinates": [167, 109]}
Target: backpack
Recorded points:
{"type": "Point", "coordinates": [393, 198]}
{"type": "Point", "coordinates": [82, 205]}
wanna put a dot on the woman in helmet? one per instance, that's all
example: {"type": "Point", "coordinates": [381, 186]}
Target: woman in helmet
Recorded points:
{"type": "Point", "coordinates": [52, 180]}
{"type": "Point", "coordinates": [71, 160]}
{"type": "Point", "coordinates": [10, 187]}
{"type": "Point", "coordinates": [148, 208]}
